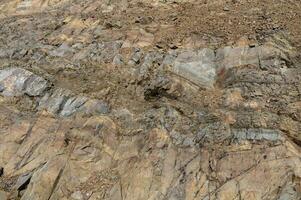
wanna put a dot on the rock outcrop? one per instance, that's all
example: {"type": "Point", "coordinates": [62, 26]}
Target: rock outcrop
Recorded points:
{"type": "Point", "coordinates": [101, 100]}
{"type": "Point", "coordinates": [17, 81]}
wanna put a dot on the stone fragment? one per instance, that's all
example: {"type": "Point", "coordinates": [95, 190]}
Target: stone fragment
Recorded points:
{"type": "Point", "coordinates": [55, 102]}
{"type": "Point", "coordinates": [62, 51]}
{"type": "Point", "coordinates": [18, 81]}
{"type": "Point", "coordinates": [35, 86]}
{"type": "Point", "coordinates": [72, 105]}
{"type": "Point", "coordinates": [226, 8]}
{"type": "Point", "coordinates": [62, 102]}
{"type": "Point", "coordinates": [135, 57]}
{"type": "Point", "coordinates": [118, 60]}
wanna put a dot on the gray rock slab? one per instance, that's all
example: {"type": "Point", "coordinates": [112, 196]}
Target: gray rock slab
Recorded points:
{"type": "Point", "coordinates": [196, 66]}
{"type": "Point", "coordinates": [18, 81]}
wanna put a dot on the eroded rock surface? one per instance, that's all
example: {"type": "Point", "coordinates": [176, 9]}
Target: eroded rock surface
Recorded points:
{"type": "Point", "coordinates": [129, 100]}
{"type": "Point", "coordinates": [17, 81]}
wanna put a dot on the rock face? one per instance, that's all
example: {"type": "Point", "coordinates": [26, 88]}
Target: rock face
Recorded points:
{"type": "Point", "coordinates": [198, 67]}
{"type": "Point", "coordinates": [17, 81]}
{"type": "Point", "coordinates": [201, 67]}
{"type": "Point", "coordinates": [101, 100]}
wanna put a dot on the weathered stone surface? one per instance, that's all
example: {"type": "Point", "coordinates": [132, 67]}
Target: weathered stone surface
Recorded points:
{"type": "Point", "coordinates": [44, 180]}
{"type": "Point", "coordinates": [23, 181]}
{"type": "Point", "coordinates": [77, 195]}
{"type": "Point", "coordinates": [197, 66]}
{"type": "Point", "coordinates": [260, 56]}
{"type": "Point", "coordinates": [55, 102]}
{"type": "Point", "coordinates": [150, 100]}
{"type": "Point", "coordinates": [89, 155]}
{"type": "Point", "coordinates": [94, 106]}
{"type": "Point", "coordinates": [256, 134]}
{"type": "Point", "coordinates": [62, 102]}
{"type": "Point", "coordinates": [17, 81]}
{"type": "Point", "coordinates": [3, 195]}
{"type": "Point", "coordinates": [72, 105]}
{"type": "Point", "coordinates": [62, 51]}
{"type": "Point", "coordinates": [201, 67]}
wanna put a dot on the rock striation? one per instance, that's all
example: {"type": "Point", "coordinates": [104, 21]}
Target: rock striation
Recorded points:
{"type": "Point", "coordinates": [132, 100]}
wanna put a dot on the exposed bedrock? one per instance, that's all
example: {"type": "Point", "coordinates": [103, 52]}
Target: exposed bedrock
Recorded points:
{"type": "Point", "coordinates": [150, 100]}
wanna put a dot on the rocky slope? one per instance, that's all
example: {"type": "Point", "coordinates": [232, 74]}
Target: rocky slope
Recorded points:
{"type": "Point", "coordinates": [150, 100]}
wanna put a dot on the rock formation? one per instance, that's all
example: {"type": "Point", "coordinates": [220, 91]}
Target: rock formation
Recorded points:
{"type": "Point", "coordinates": [150, 100]}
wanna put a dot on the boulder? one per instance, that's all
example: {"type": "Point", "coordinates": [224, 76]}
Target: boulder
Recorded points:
{"type": "Point", "coordinates": [18, 81]}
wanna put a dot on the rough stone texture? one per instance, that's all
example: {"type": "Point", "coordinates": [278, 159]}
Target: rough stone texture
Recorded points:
{"type": "Point", "coordinates": [255, 134]}
{"type": "Point", "coordinates": [64, 103]}
{"type": "Point", "coordinates": [150, 100]}
{"type": "Point", "coordinates": [201, 67]}
{"type": "Point", "coordinates": [198, 67]}
{"type": "Point", "coordinates": [3, 195]}
{"type": "Point", "coordinates": [229, 57]}
{"type": "Point", "coordinates": [16, 82]}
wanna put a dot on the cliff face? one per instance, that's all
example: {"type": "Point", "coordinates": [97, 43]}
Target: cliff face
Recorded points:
{"type": "Point", "coordinates": [151, 100]}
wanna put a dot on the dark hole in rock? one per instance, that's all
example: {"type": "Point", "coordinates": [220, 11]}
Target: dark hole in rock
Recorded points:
{"type": "Point", "coordinates": [156, 93]}
{"type": "Point", "coordinates": [1, 171]}
{"type": "Point", "coordinates": [297, 142]}
{"type": "Point", "coordinates": [23, 182]}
